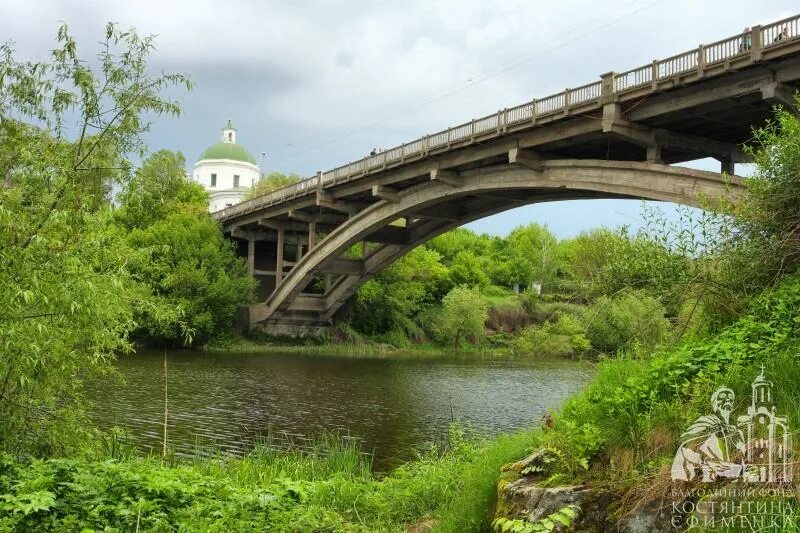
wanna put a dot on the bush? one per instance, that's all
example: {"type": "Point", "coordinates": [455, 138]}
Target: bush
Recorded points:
{"type": "Point", "coordinates": [464, 314]}
{"type": "Point", "coordinates": [640, 406]}
{"type": "Point", "coordinates": [613, 324]}
{"type": "Point", "coordinates": [564, 337]}
{"type": "Point", "coordinates": [507, 318]}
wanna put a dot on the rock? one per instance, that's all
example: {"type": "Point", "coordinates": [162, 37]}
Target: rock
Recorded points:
{"type": "Point", "coordinates": [539, 462]}
{"type": "Point", "coordinates": [650, 518]}
{"type": "Point", "coordinates": [523, 499]}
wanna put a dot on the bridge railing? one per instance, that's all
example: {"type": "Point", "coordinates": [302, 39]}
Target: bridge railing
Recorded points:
{"type": "Point", "coordinates": [726, 48]}
{"type": "Point", "coordinates": [776, 33]}
{"type": "Point", "coordinates": [764, 37]}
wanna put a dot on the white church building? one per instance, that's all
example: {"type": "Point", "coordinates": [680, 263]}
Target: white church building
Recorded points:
{"type": "Point", "coordinates": [226, 170]}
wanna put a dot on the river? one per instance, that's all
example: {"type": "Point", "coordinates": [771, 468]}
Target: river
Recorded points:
{"type": "Point", "coordinates": [394, 406]}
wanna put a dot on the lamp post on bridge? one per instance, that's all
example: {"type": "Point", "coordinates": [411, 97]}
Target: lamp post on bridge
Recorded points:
{"type": "Point", "coordinates": [261, 168]}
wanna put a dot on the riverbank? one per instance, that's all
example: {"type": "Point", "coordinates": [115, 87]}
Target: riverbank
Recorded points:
{"type": "Point", "coordinates": [622, 433]}
{"type": "Point", "coordinates": [363, 348]}
{"type": "Point", "coordinates": [451, 486]}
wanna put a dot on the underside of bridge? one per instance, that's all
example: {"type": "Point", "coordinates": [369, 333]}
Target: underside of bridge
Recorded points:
{"type": "Point", "coordinates": [311, 251]}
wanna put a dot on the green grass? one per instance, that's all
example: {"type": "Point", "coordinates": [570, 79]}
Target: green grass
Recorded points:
{"type": "Point", "coordinates": [496, 295]}
{"type": "Point", "coordinates": [329, 487]}
{"type": "Point", "coordinates": [622, 431]}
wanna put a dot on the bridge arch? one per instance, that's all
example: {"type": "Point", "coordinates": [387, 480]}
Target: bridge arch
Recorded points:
{"type": "Point", "coordinates": [436, 206]}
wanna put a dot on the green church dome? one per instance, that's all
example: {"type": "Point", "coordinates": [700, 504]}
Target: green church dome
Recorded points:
{"type": "Point", "coordinates": [228, 149]}
{"type": "Point", "coordinates": [224, 150]}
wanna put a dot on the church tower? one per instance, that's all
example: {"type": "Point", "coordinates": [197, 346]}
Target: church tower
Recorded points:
{"type": "Point", "coordinates": [226, 170]}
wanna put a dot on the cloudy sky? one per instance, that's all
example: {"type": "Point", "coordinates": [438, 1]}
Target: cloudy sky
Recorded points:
{"type": "Point", "coordinates": [316, 84]}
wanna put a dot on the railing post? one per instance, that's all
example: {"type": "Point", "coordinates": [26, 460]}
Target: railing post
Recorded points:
{"type": "Point", "coordinates": [654, 75]}
{"type": "Point", "coordinates": [566, 101]}
{"type": "Point", "coordinates": [701, 60]}
{"type": "Point", "coordinates": [756, 44]}
{"type": "Point", "coordinates": [608, 87]}
{"type": "Point", "coordinates": [505, 119]}
{"type": "Point", "coordinates": [319, 180]}
{"type": "Point", "coordinates": [533, 111]}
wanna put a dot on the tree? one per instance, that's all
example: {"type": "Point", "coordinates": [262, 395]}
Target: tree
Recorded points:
{"type": "Point", "coordinates": [564, 336]}
{"type": "Point", "coordinates": [397, 295]}
{"type": "Point", "coordinates": [157, 186]}
{"type": "Point", "coordinates": [271, 182]}
{"type": "Point", "coordinates": [460, 240]}
{"type": "Point", "coordinates": [188, 265]}
{"type": "Point", "coordinates": [65, 294]}
{"type": "Point", "coordinates": [632, 318]}
{"type": "Point", "coordinates": [467, 269]}
{"type": "Point", "coordinates": [184, 261]}
{"type": "Point", "coordinates": [770, 215]}
{"type": "Point", "coordinates": [531, 255]}
{"type": "Point", "coordinates": [464, 314]}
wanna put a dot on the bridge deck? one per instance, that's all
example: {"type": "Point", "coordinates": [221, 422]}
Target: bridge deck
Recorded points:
{"type": "Point", "coordinates": [708, 64]}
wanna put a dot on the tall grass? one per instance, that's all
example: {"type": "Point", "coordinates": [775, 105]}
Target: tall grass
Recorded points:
{"type": "Point", "coordinates": [271, 459]}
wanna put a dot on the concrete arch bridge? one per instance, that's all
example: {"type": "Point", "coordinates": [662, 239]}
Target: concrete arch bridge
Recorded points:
{"type": "Point", "coordinates": [619, 137]}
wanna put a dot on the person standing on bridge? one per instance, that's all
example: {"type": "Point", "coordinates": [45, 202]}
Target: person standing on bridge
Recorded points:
{"type": "Point", "coordinates": [746, 40]}
{"type": "Point", "coordinates": [783, 34]}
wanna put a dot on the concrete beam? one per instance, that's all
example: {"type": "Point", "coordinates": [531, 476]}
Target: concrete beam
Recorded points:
{"type": "Point", "coordinates": [442, 212]}
{"type": "Point", "coordinates": [656, 139]}
{"type": "Point", "coordinates": [384, 192]}
{"type": "Point", "coordinates": [525, 157]}
{"type": "Point", "coordinates": [285, 225]}
{"type": "Point", "coordinates": [349, 267]}
{"type": "Point", "coordinates": [249, 235]}
{"type": "Point", "coordinates": [721, 88]}
{"type": "Point", "coordinates": [327, 200]}
{"type": "Point", "coordinates": [780, 94]}
{"type": "Point", "coordinates": [388, 235]}
{"type": "Point", "coordinates": [300, 215]}
{"type": "Point", "coordinates": [448, 177]}
{"type": "Point", "coordinates": [331, 219]}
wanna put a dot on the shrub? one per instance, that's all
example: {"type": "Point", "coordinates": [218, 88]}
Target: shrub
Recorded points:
{"type": "Point", "coordinates": [507, 318]}
{"type": "Point", "coordinates": [564, 337]}
{"type": "Point", "coordinates": [617, 323]}
{"type": "Point", "coordinates": [464, 314]}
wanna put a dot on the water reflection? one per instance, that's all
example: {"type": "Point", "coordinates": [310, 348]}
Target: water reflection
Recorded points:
{"type": "Point", "coordinates": [393, 405]}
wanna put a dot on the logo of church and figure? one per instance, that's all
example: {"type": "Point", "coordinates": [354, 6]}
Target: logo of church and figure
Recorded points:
{"type": "Point", "coordinates": [755, 449]}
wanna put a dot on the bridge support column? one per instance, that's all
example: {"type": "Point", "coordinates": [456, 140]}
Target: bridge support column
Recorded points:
{"type": "Point", "coordinates": [279, 259]}
{"type": "Point", "coordinates": [654, 154]}
{"type": "Point", "coordinates": [312, 235]}
{"type": "Point", "coordinates": [251, 257]}
{"type": "Point", "coordinates": [727, 166]}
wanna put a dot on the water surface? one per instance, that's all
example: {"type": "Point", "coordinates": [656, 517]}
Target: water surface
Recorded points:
{"type": "Point", "coordinates": [394, 406]}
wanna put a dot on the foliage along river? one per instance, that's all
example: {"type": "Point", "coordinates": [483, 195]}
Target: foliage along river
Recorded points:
{"type": "Point", "coordinates": [394, 406]}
